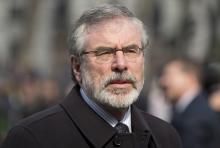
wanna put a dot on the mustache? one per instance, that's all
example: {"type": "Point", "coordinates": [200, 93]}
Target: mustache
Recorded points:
{"type": "Point", "coordinates": [122, 76]}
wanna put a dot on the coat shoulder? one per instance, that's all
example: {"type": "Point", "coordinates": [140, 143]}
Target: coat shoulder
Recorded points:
{"type": "Point", "coordinates": [40, 130]}
{"type": "Point", "coordinates": [41, 117]}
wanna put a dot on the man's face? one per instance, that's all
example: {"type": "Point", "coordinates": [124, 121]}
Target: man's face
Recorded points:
{"type": "Point", "coordinates": [173, 81]}
{"type": "Point", "coordinates": [119, 82]}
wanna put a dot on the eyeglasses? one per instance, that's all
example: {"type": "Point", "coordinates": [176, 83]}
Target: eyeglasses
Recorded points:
{"type": "Point", "coordinates": [106, 54]}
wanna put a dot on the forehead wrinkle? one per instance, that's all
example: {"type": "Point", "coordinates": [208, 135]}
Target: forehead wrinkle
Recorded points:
{"type": "Point", "coordinates": [99, 42]}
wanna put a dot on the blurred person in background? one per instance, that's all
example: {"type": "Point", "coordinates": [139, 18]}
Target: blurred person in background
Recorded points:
{"type": "Point", "coordinates": [214, 100]}
{"type": "Point", "coordinates": [107, 47]}
{"type": "Point", "coordinates": [211, 82]}
{"type": "Point", "coordinates": [196, 123]}
{"type": "Point", "coordinates": [35, 94]}
{"type": "Point", "coordinates": [5, 108]}
{"type": "Point", "coordinates": [29, 97]}
{"type": "Point", "coordinates": [50, 92]}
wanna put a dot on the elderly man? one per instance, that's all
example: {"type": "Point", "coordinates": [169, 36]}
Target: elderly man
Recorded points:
{"type": "Point", "coordinates": [107, 48]}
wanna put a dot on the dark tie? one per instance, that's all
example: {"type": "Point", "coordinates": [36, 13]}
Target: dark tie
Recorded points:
{"type": "Point", "coordinates": [121, 128]}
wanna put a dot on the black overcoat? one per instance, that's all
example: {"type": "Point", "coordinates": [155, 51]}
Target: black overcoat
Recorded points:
{"type": "Point", "coordinates": [73, 124]}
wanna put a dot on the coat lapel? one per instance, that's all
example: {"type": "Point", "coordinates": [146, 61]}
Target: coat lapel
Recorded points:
{"type": "Point", "coordinates": [93, 127]}
{"type": "Point", "coordinates": [141, 128]}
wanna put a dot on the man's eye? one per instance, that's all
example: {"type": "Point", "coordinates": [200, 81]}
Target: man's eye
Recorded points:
{"type": "Point", "coordinates": [103, 52]}
{"type": "Point", "coordinates": [130, 50]}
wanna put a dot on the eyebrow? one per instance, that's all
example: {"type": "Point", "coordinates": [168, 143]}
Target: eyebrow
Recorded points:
{"type": "Point", "coordinates": [108, 48]}
{"type": "Point", "coordinates": [132, 45]}
{"type": "Point", "coordinates": [103, 48]}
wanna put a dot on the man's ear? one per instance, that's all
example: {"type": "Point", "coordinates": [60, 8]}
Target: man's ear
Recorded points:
{"type": "Point", "coordinates": [75, 67]}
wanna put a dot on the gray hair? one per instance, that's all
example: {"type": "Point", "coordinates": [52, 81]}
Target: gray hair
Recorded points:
{"type": "Point", "coordinates": [95, 16]}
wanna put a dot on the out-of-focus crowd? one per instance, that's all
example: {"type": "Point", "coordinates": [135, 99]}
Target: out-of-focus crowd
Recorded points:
{"type": "Point", "coordinates": [24, 94]}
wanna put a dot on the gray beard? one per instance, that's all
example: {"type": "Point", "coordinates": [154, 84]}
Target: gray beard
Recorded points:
{"type": "Point", "coordinates": [116, 97]}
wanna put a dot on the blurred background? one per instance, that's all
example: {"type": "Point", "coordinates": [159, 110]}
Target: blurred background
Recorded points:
{"type": "Point", "coordinates": [34, 63]}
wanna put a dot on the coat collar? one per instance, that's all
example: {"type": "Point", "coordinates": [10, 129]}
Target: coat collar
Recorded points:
{"type": "Point", "coordinates": [91, 125]}
{"type": "Point", "coordinates": [141, 127]}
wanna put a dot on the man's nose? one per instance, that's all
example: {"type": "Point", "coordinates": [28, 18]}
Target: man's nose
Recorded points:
{"type": "Point", "coordinates": [119, 63]}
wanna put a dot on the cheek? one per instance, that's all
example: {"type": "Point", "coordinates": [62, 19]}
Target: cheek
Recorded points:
{"type": "Point", "coordinates": [179, 82]}
{"type": "Point", "coordinates": [138, 70]}
{"type": "Point", "coordinates": [98, 72]}
{"type": "Point", "coordinates": [176, 85]}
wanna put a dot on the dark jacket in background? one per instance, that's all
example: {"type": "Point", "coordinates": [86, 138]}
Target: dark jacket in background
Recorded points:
{"type": "Point", "coordinates": [198, 125]}
{"type": "Point", "coordinates": [73, 123]}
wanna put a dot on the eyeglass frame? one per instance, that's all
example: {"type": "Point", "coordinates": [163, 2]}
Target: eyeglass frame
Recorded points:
{"type": "Point", "coordinates": [113, 50]}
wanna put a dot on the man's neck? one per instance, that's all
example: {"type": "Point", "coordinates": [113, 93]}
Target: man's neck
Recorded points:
{"type": "Point", "coordinates": [187, 98]}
